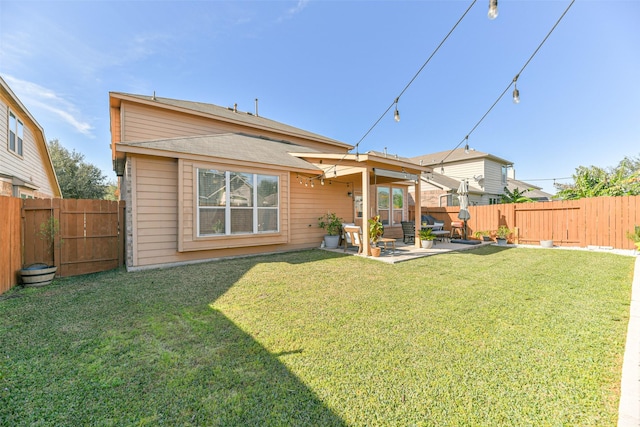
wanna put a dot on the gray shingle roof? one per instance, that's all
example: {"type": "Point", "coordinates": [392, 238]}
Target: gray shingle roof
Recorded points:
{"type": "Point", "coordinates": [233, 146]}
{"type": "Point", "coordinates": [228, 114]}
{"type": "Point", "coordinates": [457, 155]}
{"type": "Point", "coordinates": [534, 192]}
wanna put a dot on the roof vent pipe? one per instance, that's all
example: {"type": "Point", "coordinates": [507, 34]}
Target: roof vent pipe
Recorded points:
{"type": "Point", "coordinates": [256, 107]}
{"type": "Point", "coordinates": [235, 107]}
{"type": "Point", "coordinates": [154, 95]}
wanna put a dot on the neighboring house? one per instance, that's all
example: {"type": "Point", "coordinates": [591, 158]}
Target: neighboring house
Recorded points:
{"type": "Point", "coordinates": [203, 181]}
{"type": "Point", "coordinates": [531, 191]}
{"type": "Point", "coordinates": [25, 164]}
{"type": "Point", "coordinates": [485, 173]}
{"type": "Point", "coordinates": [440, 190]}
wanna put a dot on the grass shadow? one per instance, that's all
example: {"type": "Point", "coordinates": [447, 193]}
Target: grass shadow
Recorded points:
{"type": "Point", "coordinates": [146, 348]}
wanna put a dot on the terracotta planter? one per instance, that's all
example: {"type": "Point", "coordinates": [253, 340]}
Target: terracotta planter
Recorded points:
{"type": "Point", "coordinates": [375, 251]}
{"type": "Point", "coordinates": [37, 275]}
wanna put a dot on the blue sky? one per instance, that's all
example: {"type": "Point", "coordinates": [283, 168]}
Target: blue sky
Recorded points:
{"type": "Point", "coordinates": [333, 67]}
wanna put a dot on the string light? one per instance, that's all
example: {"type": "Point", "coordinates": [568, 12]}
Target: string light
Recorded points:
{"type": "Point", "coordinates": [321, 181]}
{"type": "Point", "coordinates": [493, 9]}
{"type": "Point", "coordinates": [397, 118]}
{"type": "Point", "coordinates": [466, 146]}
{"type": "Point", "coordinates": [396, 115]}
{"type": "Point", "coordinates": [516, 92]}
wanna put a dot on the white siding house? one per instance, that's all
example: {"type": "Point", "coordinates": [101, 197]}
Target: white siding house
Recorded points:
{"type": "Point", "coordinates": [485, 173]}
{"type": "Point", "coordinates": [25, 165]}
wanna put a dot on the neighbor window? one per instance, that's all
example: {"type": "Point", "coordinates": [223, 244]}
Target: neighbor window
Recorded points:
{"type": "Point", "coordinates": [16, 134]}
{"type": "Point", "coordinates": [237, 203]}
{"type": "Point", "coordinates": [390, 205]}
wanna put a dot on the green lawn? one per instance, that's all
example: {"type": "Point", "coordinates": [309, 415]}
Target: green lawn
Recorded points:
{"type": "Point", "coordinates": [486, 337]}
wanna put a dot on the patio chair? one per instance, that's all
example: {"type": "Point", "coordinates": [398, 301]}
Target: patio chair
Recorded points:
{"type": "Point", "coordinates": [408, 231]}
{"type": "Point", "coordinates": [352, 237]}
{"type": "Point", "coordinates": [439, 231]}
{"type": "Point", "coordinates": [457, 229]}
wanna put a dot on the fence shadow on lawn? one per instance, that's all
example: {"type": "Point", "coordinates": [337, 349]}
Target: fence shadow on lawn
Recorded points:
{"type": "Point", "coordinates": [157, 353]}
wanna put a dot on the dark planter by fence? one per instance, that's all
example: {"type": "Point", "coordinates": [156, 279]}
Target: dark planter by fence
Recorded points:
{"type": "Point", "coordinates": [37, 275]}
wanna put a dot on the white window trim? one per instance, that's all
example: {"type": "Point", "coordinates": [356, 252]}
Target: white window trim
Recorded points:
{"type": "Point", "coordinates": [391, 209]}
{"type": "Point", "coordinates": [18, 131]}
{"type": "Point", "coordinates": [227, 208]}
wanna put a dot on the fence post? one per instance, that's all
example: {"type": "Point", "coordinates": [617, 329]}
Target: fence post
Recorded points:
{"type": "Point", "coordinates": [57, 239]}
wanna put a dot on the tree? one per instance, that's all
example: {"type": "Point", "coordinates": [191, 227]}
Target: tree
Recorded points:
{"type": "Point", "coordinates": [593, 181]}
{"type": "Point", "coordinates": [112, 192]}
{"type": "Point", "coordinates": [515, 196]}
{"type": "Point", "coordinates": [77, 179]}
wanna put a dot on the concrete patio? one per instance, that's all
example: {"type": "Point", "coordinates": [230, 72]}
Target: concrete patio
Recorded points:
{"type": "Point", "coordinates": [408, 251]}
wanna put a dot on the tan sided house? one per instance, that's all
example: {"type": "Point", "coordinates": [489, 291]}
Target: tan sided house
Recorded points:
{"type": "Point", "coordinates": [203, 182]}
{"type": "Point", "coordinates": [485, 173]}
{"type": "Point", "coordinates": [26, 170]}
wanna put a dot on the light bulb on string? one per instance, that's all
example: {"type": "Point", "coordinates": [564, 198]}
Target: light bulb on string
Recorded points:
{"type": "Point", "coordinates": [516, 92]}
{"type": "Point", "coordinates": [396, 114]}
{"type": "Point", "coordinates": [493, 9]}
{"type": "Point", "coordinates": [466, 146]}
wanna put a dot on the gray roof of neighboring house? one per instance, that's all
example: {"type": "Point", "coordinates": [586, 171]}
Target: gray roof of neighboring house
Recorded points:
{"type": "Point", "coordinates": [235, 116]}
{"type": "Point", "coordinates": [442, 181]}
{"type": "Point", "coordinates": [535, 192]}
{"type": "Point", "coordinates": [232, 146]}
{"type": "Point", "coordinates": [457, 155]}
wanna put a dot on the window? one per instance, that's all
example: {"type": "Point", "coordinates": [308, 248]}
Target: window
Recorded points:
{"type": "Point", "coordinates": [16, 134]}
{"type": "Point", "coordinates": [504, 174]}
{"type": "Point", "coordinates": [236, 203]}
{"type": "Point", "coordinates": [390, 205]}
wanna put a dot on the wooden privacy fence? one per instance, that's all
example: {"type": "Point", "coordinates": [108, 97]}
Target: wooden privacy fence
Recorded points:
{"type": "Point", "coordinates": [10, 238]}
{"type": "Point", "coordinates": [91, 236]}
{"type": "Point", "coordinates": [597, 221]}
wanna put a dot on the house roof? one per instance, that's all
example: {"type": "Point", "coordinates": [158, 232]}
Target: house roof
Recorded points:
{"type": "Point", "coordinates": [40, 138]}
{"type": "Point", "coordinates": [455, 156]}
{"type": "Point", "coordinates": [442, 181]}
{"type": "Point", "coordinates": [231, 115]}
{"type": "Point", "coordinates": [229, 146]}
{"type": "Point", "coordinates": [534, 192]}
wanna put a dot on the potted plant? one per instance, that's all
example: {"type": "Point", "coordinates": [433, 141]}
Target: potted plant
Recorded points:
{"type": "Point", "coordinates": [331, 224]}
{"type": "Point", "coordinates": [484, 235]}
{"type": "Point", "coordinates": [502, 234]}
{"type": "Point", "coordinates": [635, 236]}
{"type": "Point", "coordinates": [426, 238]}
{"type": "Point", "coordinates": [42, 274]}
{"type": "Point", "coordinates": [376, 229]}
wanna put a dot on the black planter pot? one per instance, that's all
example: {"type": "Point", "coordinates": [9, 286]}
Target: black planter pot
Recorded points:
{"type": "Point", "coordinates": [37, 275]}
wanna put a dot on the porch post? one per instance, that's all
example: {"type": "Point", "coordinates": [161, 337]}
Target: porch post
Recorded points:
{"type": "Point", "coordinates": [366, 250]}
{"type": "Point", "coordinates": [418, 210]}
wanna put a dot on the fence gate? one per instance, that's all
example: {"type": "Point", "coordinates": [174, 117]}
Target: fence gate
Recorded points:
{"type": "Point", "coordinates": [90, 239]}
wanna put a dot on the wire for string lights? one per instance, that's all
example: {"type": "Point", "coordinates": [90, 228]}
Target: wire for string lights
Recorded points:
{"type": "Point", "coordinates": [515, 92]}
{"type": "Point", "coordinates": [395, 102]}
